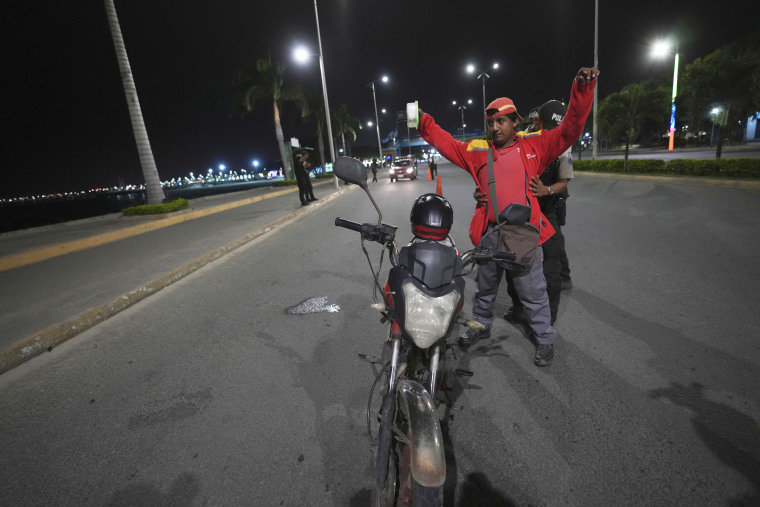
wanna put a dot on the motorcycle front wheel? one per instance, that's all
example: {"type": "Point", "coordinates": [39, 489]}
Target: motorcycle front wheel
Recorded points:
{"type": "Point", "coordinates": [400, 489]}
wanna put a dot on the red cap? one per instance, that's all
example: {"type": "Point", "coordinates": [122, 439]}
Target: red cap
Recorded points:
{"type": "Point", "coordinates": [500, 107]}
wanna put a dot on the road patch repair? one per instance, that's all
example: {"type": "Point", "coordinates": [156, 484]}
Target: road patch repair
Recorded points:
{"type": "Point", "coordinates": [52, 336]}
{"type": "Point", "coordinates": [312, 305]}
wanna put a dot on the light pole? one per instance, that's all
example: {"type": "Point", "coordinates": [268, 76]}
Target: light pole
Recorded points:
{"type": "Point", "coordinates": [461, 108]}
{"type": "Point", "coordinates": [482, 75]}
{"type": "Point", "coordinates": [324, 92]}
{"type": "Point", "coordinates": [661, 49]}
{"type": "Point", "coordinates": [377, 120]}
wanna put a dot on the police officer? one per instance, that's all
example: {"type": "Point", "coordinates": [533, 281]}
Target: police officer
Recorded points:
{"type": "Point", "coordinates": [551, 191]}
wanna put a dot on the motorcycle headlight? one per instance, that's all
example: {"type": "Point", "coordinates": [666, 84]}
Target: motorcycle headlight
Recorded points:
{"type": "Point", "coordinates": [427, 318]}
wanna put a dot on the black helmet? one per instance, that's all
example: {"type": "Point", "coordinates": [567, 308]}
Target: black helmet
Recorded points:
{"type": "Point", "coordinates": [431, 217]}
{"type": "Point", "coordinates": [552, 113]}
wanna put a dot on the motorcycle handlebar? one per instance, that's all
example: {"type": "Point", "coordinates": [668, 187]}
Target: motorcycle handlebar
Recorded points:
{"type": "Point", "coordinates": [384, 234]}
{"type": "Point", "coordinates": [483, 255]}
{"type": "Point", "coordinates": [339, 222]}
{"type": "Point", "coordinates": [507, 256]}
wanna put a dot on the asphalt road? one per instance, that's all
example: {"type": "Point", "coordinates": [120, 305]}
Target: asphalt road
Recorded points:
{"type": "Point", "coordinates": [209, 393]}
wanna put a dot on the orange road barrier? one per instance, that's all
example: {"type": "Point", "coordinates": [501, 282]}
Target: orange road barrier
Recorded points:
{"type": "Point", "coordinates": [438, 187]}
{"type": "Point", "coordinates": [430, 175]}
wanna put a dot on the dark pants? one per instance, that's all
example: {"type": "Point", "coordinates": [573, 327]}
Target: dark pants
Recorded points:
{"type": "Point", "coordinates": [565, 274]}
{"type": "Point", "coordinates": [554, 249]}
{"type": "Point", "coordinates": [305, 191]}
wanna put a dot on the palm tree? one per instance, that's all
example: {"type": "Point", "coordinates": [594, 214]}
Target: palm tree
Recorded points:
{"type": "Point", "coordinates": [344, 125]}
{"type": "Point", "coordinates": [623, 114]}
{"type": "Point", "coordinates": [150, 172]}
{"type": "Point", "coordinates": [264, 81]}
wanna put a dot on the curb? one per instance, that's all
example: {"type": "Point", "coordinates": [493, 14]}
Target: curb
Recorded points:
{"type": "Point", "coordinates": [52, 336]}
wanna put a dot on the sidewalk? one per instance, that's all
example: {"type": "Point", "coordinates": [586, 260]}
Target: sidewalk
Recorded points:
{"type": "Point", "coordinates": [60, 280]}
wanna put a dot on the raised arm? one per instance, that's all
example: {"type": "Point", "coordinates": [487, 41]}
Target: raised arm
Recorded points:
{"type": "Point", "coordinates": [451, 149]}
{"type": "Point", "coordinates": [559, 140]}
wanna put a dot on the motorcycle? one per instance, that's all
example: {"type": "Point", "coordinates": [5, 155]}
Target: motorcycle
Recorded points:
{"type": "Point", "coordinates": [422, 300]}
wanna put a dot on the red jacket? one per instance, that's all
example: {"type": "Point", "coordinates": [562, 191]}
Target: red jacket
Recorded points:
{"type": "Point", "coordinates": [538, 150]}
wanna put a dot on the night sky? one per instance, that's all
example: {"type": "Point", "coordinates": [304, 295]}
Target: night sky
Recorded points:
{"type": "Point", "coordinates": [66, 125]}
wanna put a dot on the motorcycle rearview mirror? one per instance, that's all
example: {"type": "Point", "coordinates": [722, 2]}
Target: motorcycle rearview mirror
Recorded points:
{"type": "Point", "coordinates": [516, 214]}
{"type": "Point", "coordinates": [352, 171]}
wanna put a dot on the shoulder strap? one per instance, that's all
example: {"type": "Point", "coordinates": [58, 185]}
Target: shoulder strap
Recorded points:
{"type": "Point", "coordinates": [492, 185]}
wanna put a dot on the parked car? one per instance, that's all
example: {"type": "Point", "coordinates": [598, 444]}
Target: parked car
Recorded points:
{"type": "Point", "coordinates": [403, 168]}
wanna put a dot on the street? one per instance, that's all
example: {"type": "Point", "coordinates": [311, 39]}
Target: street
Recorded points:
{"type": "Point", "coordinates": [208, 393]}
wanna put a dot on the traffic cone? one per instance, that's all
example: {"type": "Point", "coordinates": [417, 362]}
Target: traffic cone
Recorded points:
{"type": "Point", "coordinates": [430, 175]}
{"type": "Point", "coordinates": [438, 187]}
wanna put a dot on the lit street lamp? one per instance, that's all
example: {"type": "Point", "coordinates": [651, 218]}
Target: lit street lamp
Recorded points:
{"type": "Point", "coordinates": [661, 49]}
{"type": "Point", "coordinates": [377, 120]}
{"type": "Point", "coordinates": [482, 75]}
{"type": "Point", "coordinates": [462, 108]}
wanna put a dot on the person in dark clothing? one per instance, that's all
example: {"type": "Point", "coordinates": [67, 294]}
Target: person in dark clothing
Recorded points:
{"type": "Point", "coordinates": [303, 179]}
{"type": "Point", "coordinates": [374, 171]}
{"type": "Point", "coordinates": [433, 167]}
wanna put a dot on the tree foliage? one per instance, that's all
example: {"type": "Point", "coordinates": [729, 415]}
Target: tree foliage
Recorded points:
{"type": "Point", "coordinates": [344, 125]}
{"type": "Point", "coordinates": [624, 115]}
{"type": "Point", "coordinates": [317, 112]}
{"type": "Point", "coordinates": [263, 81]}
{"type": "Point", "coordinates": [727, 79]}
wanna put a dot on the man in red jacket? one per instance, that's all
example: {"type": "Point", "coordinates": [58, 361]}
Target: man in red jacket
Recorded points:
{"type": "Point", "coordinates": [516, 160]}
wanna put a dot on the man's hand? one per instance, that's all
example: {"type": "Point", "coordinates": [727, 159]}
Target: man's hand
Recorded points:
{"type": "Point", "coordinates": [537, 187]}
{"type": "Point", "coordinates": [479, 196]}
{"type": "Point", "coordinates": [587, 74]}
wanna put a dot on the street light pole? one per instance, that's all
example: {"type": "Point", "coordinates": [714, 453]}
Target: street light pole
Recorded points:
{"type": "Point", "coordinates": [462, 108]}
{"type": "Point", "coordinates": [482, 75]}
{"type": "Point", "coordinates": [377, 123]}
{"type": "Point", "coordinates": [377, 119]}
{"type": "Point", "coordinates": [324, 93]}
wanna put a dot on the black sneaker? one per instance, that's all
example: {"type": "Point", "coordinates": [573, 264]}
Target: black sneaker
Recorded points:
{"type": "Point", "coordinates": [544, 355]}
{"type": "Point", "coordinates": [473, 336]}
{"type": "Point", "coordinates": [515, 314]}
{"type": "Point", "coordinates": [567, 284]}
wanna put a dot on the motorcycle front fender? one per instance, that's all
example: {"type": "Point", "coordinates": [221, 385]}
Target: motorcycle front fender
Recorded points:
{"type": "Point", "coordinates": [428, 461]}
